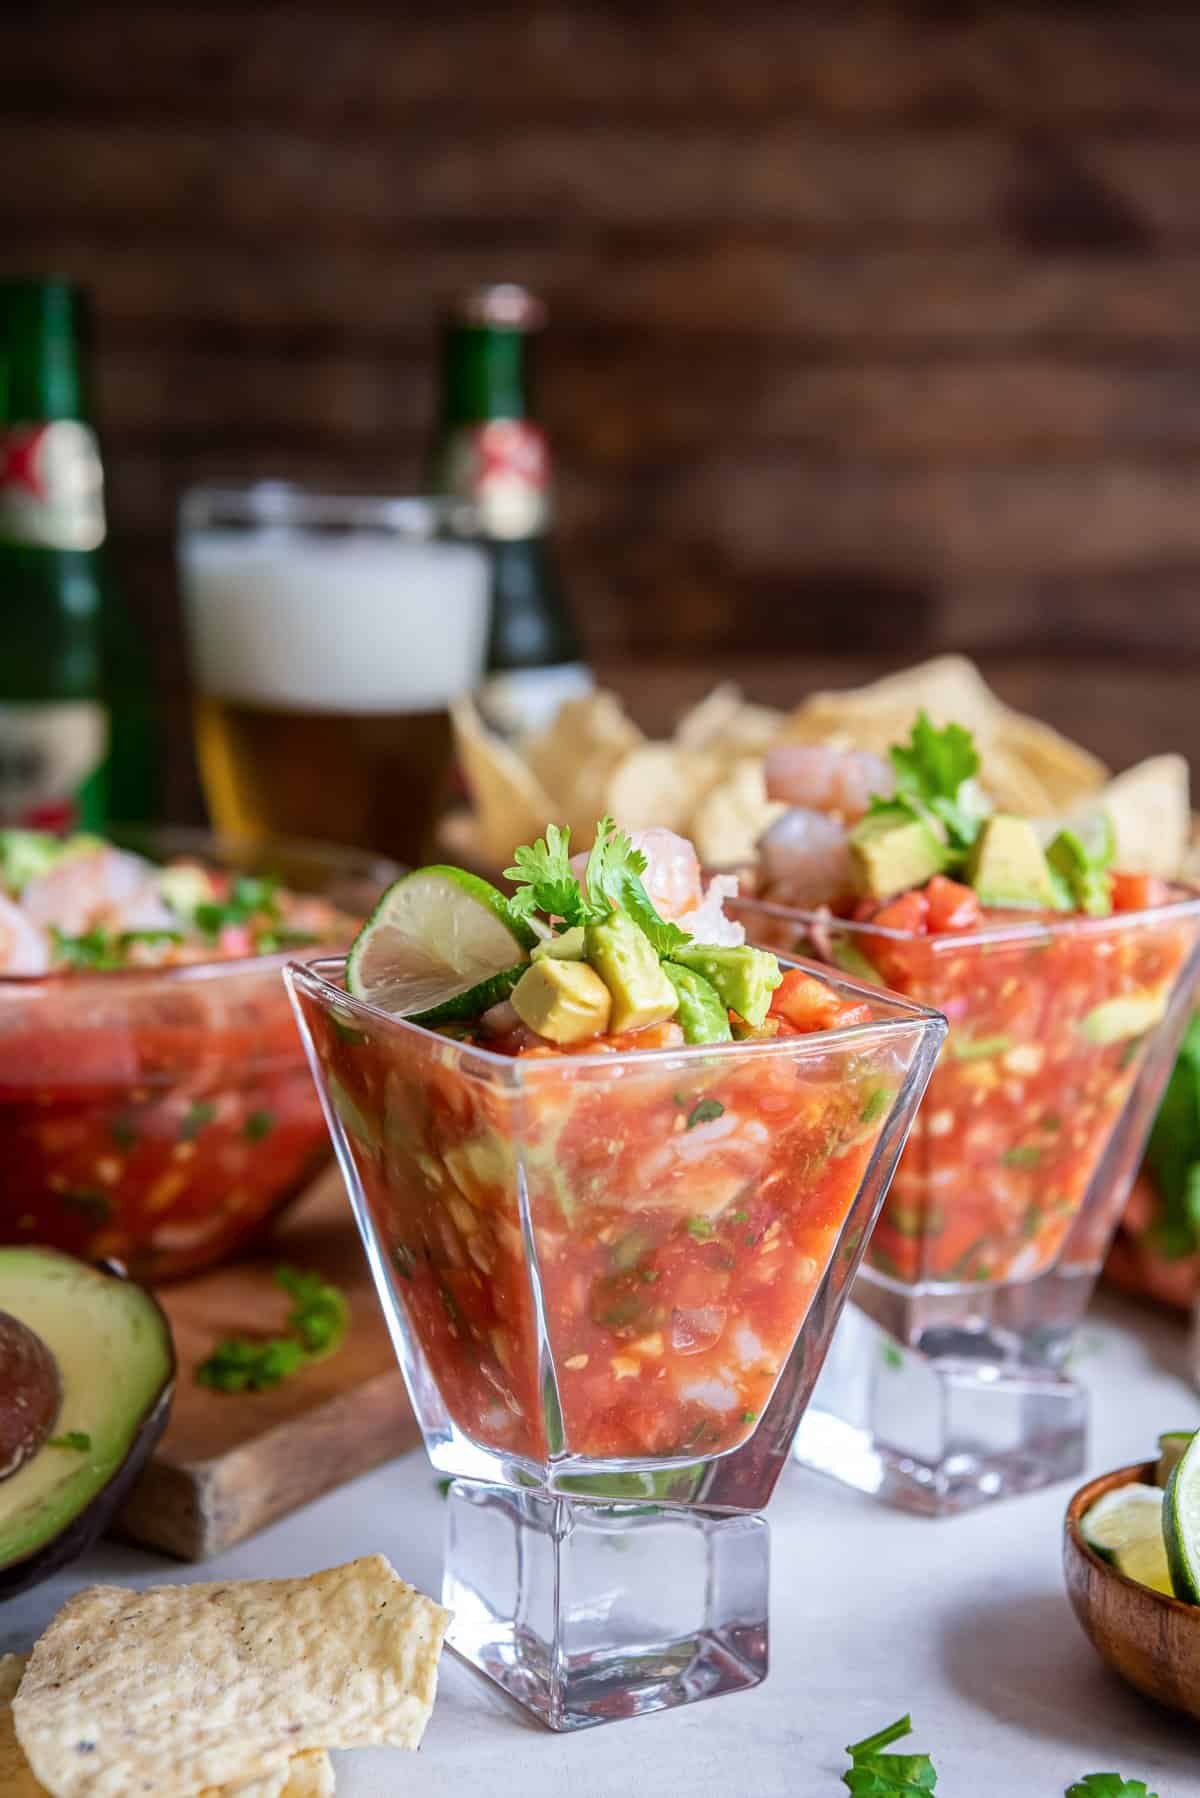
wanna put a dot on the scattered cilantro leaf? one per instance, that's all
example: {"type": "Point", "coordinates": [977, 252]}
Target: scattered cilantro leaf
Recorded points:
{"type": "Point", "coordinates": [876, 1774]}
{"type": "Point", "coordinates": [892, 1357]}
{"type": "Point", "coordinates": [91, 1205]}
{"type": "Point", "coordinates": [442, 1487]}
{"type": "Point", "coordinates": [196, 1118]}
{"type": "Point", "coordinates": [875, 1104]}
{"type": "Point", "coordinates": [250, 896]}
{"type": "Point", "coordinates": [1108, 1785]}
{"type": "Point", "coordinates": [123, 1133]}
{"type": "Point", "coordinates": [545, 881]}
{"type": "Point", "coordinates": [79, 1440]}
{"type": "Point", "coordinates": [703, 1112]}
{"type": "Point", "coordinates": [1023, 1155]}
{"type": "Point", "coordinates": [258, 1125]}
{"type": "Point", "coordinates": [316, 1324]}
{"type": "Point", "coordinates": [699, 1228]}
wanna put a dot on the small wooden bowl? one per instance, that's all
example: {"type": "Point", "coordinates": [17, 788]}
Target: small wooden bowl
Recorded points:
{"type": "Point", "coordinates": [1149, 1639]}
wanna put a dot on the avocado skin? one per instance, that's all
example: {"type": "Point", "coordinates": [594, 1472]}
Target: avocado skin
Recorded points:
{"type": "Point", "coordinates": [77, 1536]}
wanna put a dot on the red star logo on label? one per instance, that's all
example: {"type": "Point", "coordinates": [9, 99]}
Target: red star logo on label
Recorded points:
{"type": "Point", "coordinates": [20, 454]}
{"type": "Point", "coordinates": [511, 448]}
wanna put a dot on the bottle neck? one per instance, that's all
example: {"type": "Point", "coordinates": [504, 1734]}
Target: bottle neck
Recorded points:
{"type": "Point", "coordinates": [51, 479]}
{"type": "Point", "coordinates": [42, 359]}
{"type": "Point", "coordinates": [485, 375]}
{"type": "Point", "coordinates": [490, 450]}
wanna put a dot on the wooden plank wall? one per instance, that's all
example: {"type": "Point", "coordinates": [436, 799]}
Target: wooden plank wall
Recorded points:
{"type": "Point", "coordinates": [874, 327]}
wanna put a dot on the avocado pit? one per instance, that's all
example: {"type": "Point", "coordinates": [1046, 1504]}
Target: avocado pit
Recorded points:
{"type": "Point", "coordinates": [30, 1393]}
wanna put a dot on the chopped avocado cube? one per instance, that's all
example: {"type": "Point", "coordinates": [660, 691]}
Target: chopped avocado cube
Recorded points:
{"type": "Point", "coordinates": [744, 978]}
{"type": "Point", "coordinates": [564, 1001]}
{"type": "Point", "coordinates": [185, 887]}
{"type": "Point", "coordinates": [1006, 865]}
{"type": "Point", "coordinates": [1129, 1015]}
{"type": "Point", "coordinates": [852, 961]}
{"type": "Point", "coordinates": [889, 854]}
{"type": "Point", "coordinates": [702, 1016]}
{"type": "Point", "coordinates": [624, 958]}
{"type": "Point", "coordinates": [1086, 881]}
{"type": "Point", "coordinates": [25, 855]}
{"type": "Point", "coordinates": [567, 947]}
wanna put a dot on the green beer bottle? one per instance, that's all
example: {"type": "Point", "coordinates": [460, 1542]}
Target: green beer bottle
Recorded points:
{"type": "Point", "coordinates": [76, 720]}
{"type": "Point", "coordinates": [491, 451]}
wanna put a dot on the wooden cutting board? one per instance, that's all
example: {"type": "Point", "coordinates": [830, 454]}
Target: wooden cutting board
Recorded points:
{"type": "Point", "coordinates": [229, 1464]}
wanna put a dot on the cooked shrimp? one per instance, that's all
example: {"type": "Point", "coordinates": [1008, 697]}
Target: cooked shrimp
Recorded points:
{"type": "Point", "coordinates": [673, 881]}
{"type": "Point", "coordinates": [100, 887]}
{"type": "Point", "coordinates": [23, 947]}
{"type": "Point", "coordinates": [707, 922]}
{"type": "Point", "coordinates": [823, 779]}
{"type": "Point", "coordinates": [805, 858]}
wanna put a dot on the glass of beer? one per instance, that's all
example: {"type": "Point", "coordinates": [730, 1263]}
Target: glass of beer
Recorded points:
{"type": "Point", "coordinates": [328, 635]}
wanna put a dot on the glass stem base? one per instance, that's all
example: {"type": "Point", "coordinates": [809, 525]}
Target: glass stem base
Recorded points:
{"type": "Point", "coordinates": [589, 1613]}
{"type": "Point", "coordinates": [937, 1433]}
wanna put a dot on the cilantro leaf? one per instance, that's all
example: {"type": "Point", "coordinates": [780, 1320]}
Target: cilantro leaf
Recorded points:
{"type": "Point", "coordinates": [703, 1112]}
{"type": "Point", "coordinates": [875, 1774]}
{"type": "Point", "coordinates": [614, 883]}
{"type": "Point", "coordinates": [316, 1325]}
{"type": "Point", "coordinates": [545, 880]}
{"type": "Point", "coordinates": [932, 771]}
{"type": "Point", "coordinates": [79, 1440]}
{"type": "Point", "coordinates": [1108, 1785]}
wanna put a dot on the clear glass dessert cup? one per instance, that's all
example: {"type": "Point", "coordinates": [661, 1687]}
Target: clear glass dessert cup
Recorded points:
{"type": "Point", "coordinates": [948, 1384]}
{"type": "Point", "coordinates": [611, 1280]}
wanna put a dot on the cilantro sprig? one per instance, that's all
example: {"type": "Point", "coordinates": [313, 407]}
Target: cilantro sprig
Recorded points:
{"type": "Point", "coordinates": [876, 1774]}
{"type": "Point", "coordinates": [1108, 1785]}
{"type": "Point", "coordinates": [315, 1327]}
{"type": "Point", "coordinates": [934, 772]}
{"type": "Point", "coordinates": [102, 950]}
{"type": "Point", "coordinates": [547, 883]}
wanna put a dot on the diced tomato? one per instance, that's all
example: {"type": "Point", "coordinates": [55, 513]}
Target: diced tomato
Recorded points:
{"type": "Point", "coordinates": [952, 906]}
{"type": "Point", "coordinates": [808, 1004]}
{"type": "Point", "coordinates": [1137, 892]}
{"type": "Point", "coordinates": [908, 911]}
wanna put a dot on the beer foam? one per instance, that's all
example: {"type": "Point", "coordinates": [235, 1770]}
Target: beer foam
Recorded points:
{"type": "Point", "coordinates": [287, 619]}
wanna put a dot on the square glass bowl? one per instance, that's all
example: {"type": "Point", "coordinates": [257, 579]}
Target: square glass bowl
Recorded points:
{"type": "Point", "coordinates": [948, 1384]}
{"type": "Point", "coordinates": [611, 1280]}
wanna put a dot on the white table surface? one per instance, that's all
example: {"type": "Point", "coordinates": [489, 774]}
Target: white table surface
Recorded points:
{"type": "Point", "coordinates": [963, 1622]}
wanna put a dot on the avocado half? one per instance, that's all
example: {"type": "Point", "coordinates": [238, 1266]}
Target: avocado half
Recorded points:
{"type": "Point", "coordinates": [85, 1358]}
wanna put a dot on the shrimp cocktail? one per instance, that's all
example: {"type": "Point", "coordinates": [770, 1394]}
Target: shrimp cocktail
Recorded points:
{"type": "Point", "coordinates": [1066, 984]}
{"type": "Point", "coordinates": [614, 1169]}
{"type": "Point", "coordinates": [155, 1105]}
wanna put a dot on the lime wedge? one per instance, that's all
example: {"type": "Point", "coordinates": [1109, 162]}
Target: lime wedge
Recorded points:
{"type": "Point", "coordinates": [1125, 1517]}
{"type": "Point", "coordinates": [1146, 1562]}
{"type": "Point", "coordinates": [436, 936]}
{"type": "Point", "coordinates": [1181, 1524]}
{"type": "Point", "coordinates": [1171, 1445]}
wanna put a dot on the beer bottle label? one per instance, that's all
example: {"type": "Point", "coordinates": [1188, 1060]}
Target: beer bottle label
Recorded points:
{"type": "Point", "coordinates": [527, 699]}
{"type": "Point", "coordinates": [503, 467]}
{"type": "Point", "coordinates": [51, 486]}
{"type": "Point", "coordinates": [51, 764]}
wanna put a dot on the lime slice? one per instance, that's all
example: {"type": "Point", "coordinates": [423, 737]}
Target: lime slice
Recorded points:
{"type": "Point", "coordinates": [1146, 1562]}
{"type": "Point", "coordinates": [1181, 1524]}
{"type": "Point", "coordinates": [435, 936]}
{"type": "Point", "coordinates": [1126, 1516]}
{"type": "Point", "coordinates": [1171, 1445]}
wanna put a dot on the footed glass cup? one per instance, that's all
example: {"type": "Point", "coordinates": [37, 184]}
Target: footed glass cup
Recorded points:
{"type": "Point", "coordinates": [948, 1383]}
{"type": "Point", "coordinates": [611, 1280]}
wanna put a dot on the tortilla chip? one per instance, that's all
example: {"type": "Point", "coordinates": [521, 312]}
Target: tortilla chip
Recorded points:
{"type": "Point", "coordinates": [1065, 772]}
{"type": "Point", "coordinates": [575, 757]}
{"type": "Point", "coordinates": [728, 725]}
{"type": "Point", "coordinates": [309, 1775]}
{"type": "Point", "coordinates": [1150, 809]}
{"type": "Point", "coordinates": [659, 785]}
{"type": "Point", "coordinates": [950, 688]}
{"type": "Point", "coordinates": [225, 1683]}
{"type": "Point", "coordinates": [511, 805]}
{"type": "Point", "coordinates": [1011, 786]}
{"type": "Point", "coordinates": [733, 815]}
{"type": "Point", "coordinates": [16, 1775]}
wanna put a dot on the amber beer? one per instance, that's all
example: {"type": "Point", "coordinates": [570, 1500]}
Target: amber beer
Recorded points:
{"type": "Point", "coordinates": [327, 639]}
